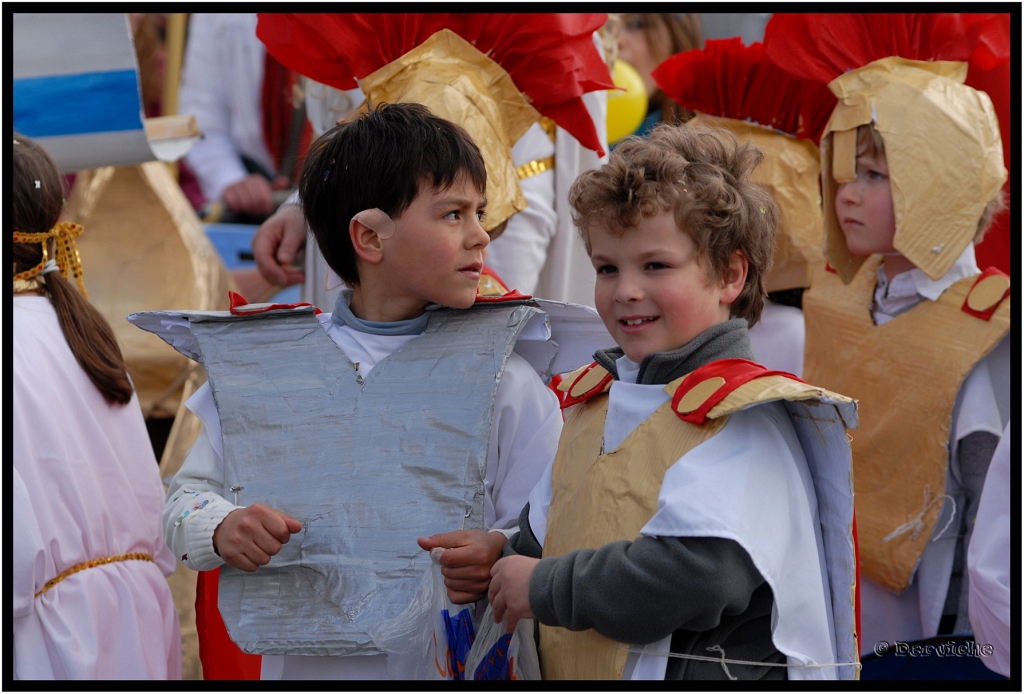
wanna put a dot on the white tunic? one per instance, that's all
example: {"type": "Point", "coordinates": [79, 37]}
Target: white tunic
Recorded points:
{"type": "Point", "coordinates": [523, 437]}
{"type": "Point", "coordinates": [988, 561]}
{"type": "Point", "coordinates": [86, 487]}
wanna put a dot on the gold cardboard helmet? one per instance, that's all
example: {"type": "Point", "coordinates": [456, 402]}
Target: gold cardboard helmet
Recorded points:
{"type": "Point", "coordinates": [459, 83]}
{"type": "Point", "coordinates": [790, 170]}
{"type": "Point", "coordinates": [942, 147]}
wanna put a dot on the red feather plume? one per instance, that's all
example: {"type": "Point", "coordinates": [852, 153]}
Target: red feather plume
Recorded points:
{"type": "Point", "coordinates": [730, 80]}
{"type": "Point", "coordinates": [823, 46]}
{"type": "Point", "coordinates": [550, 57]}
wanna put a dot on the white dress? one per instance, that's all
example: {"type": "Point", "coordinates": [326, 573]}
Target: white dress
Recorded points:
{"type": "Point", "coordinates": [85, 487]}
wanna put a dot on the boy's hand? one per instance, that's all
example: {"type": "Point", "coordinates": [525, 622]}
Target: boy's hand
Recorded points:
{"type": "Point", "coordinates": [510, 590]}
{"type": "Point", "coordinates": [248, 537]}
{"type": "Point", "coordinates": [467, 561]}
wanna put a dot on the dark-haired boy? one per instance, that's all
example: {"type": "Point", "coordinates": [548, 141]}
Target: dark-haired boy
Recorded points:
{"type": "Point", "coordinates": [695, 521]}
{"type": "Point", "coordinates": [424, 419]}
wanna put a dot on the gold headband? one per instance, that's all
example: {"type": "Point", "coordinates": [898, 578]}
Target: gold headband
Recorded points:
{"type": "Point", "coordinates": [68, 259]}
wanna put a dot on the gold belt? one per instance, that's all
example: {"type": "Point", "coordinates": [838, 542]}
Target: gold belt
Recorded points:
{"type": "Point", "coordinates": [532, 168]}
{"type": "Point", "coordinates": [131, 556]}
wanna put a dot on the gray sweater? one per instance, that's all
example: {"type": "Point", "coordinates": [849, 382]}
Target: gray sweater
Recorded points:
{"type": "Point", "coordinates": [704, 591]}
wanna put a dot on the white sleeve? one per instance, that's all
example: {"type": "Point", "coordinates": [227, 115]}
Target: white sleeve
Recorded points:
{"type": "Point", "coordinates": [978, 407]}
{"type": "Point", "coordinates": [523, 440]}
{"type": "Point", "coordinates": [988, 563]}
{"type": "Point", "coordinates": [195, 506]}
{"type": "Point", "coordinates": [521, 251]}
{"type": "Point", "coordinates": [210, 77]}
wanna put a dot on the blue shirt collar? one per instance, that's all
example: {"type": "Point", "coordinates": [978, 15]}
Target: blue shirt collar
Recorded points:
{"type": "Point", "coordinates": [343, 316]}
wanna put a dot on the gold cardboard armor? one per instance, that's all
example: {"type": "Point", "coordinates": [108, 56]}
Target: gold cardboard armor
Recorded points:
{"type": "Point", "coordinates": [907, 370]}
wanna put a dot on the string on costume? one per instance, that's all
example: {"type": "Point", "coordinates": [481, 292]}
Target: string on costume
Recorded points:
{"type": "Point", "coordinates": [916, 524]}
{"type": "Point", "coordinates": [722, 660]}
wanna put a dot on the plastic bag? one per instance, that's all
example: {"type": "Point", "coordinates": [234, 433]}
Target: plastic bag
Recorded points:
{"type": "Point", "coordinates": [499, 656]}
{"type": "Point", "coordinates": [429, 639]}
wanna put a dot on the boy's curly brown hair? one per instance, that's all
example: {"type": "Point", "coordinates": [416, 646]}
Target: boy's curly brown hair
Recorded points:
{"type": "Point", "coordinates": [702, 174]}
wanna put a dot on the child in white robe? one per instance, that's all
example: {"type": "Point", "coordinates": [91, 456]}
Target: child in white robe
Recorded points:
{"type": "Point", "coordinates": [90, 597]}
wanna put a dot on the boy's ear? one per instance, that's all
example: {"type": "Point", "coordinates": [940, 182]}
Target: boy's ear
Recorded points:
{"type": "Point", "coordinates": [735, 277]}
{"type": "Point", "coordinates": [366, 243]}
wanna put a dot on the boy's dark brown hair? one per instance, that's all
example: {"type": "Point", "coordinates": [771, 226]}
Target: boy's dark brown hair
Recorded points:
{"type": "Point", "coordinates": [702, 175]}
{"type": "Point", "coordinates": [38, 201]}
{"type": "Point", "coordinates": [380, 160]}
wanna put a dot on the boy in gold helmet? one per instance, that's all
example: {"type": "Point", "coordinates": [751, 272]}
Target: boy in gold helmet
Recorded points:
{"type": "Point", "coordinates": [904, 321]}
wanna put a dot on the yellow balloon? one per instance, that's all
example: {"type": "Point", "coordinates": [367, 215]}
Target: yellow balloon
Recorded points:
{"type": "Point", "coordinates": [626, 109]}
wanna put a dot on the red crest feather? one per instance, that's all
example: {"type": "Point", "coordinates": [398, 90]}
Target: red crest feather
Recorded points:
{"type": "Point", "coordinates": [730, 80]}
{"type": "Point", "coordinates": [550, 57]}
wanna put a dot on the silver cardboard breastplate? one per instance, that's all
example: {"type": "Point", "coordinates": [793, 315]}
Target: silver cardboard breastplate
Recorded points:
{"type": "Point", "coordinates": [367, 466]}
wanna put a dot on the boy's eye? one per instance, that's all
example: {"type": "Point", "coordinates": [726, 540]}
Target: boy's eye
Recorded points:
{"type": "Point", "coordinates": [454, 214]}
{"type": "Point", "coordinates": [607, 270]}
{"type": "Point", "coordinates": [876, 175]}
{"type": "Point", "coordinates": [653, 265]}
{"type": "Point", "coordinates": [480, 215]}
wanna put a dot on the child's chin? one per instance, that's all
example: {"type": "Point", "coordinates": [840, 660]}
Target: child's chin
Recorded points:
{"type": "Point", "coordinates": [458, 301]}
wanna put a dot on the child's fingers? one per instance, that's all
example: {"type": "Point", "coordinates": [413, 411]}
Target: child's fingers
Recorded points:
{"type": "Point", "coordinates": [293, 525]}
{"type": "Point", "coordinates": [497, 604]}
{"type": "Point", "coordinates": [267, 543]}
{"type": "Point", "coordinates": [274, 522]}
{"type": "Point", "coordinates": [256, 555]}
{"type": "Point", "coordinates": [461, 597]}
{"type": "Point", "coordinates": [479, 571]}
{"type": "Point", "coordinates": [510, 623]}
{"type": "Point", "coordinates": [243, 562]}
{"type": "Point", "coordinates": [456, 538]}
{"type": "Point", "coordinates": [477, 586]}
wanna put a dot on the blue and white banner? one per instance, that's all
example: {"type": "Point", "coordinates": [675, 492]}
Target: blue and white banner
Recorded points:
{"type": "Point", "coordinates": [76, 90]}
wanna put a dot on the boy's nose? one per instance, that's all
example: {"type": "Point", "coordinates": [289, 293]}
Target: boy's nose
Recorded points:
{"type": "Point", "coordinates": [848, 193]}
{"type": "Point", "coordinates": [627, 289]}
{"type": "Point", "coordinates": [477, 237]}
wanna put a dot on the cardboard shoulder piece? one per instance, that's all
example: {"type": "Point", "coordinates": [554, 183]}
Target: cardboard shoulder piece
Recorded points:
{"type": "Point", "coordinates": [468, 69]}
{"type": "Point", "coordinates": [736, 87]}
{"type": "Point", "coordinates": [590, 506]}
{"type": "Point", "coordinates": [556, 340]}
{"type": "Point", "coordinates": [943, 150]}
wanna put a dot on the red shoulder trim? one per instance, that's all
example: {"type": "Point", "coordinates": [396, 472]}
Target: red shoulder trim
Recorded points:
{"type": "Point", "coordinates": [492, 281]}
{"type": "Point", "coordinates": [569, 399]}
{"type": "Point", "coordinates": [239, 302]}
{"type": "Point", "coordinates": [728, 374]}
{"type": "Point", "coordinates": [987, 293]}
{"type": "Point", "coordinates": [513, 295]}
